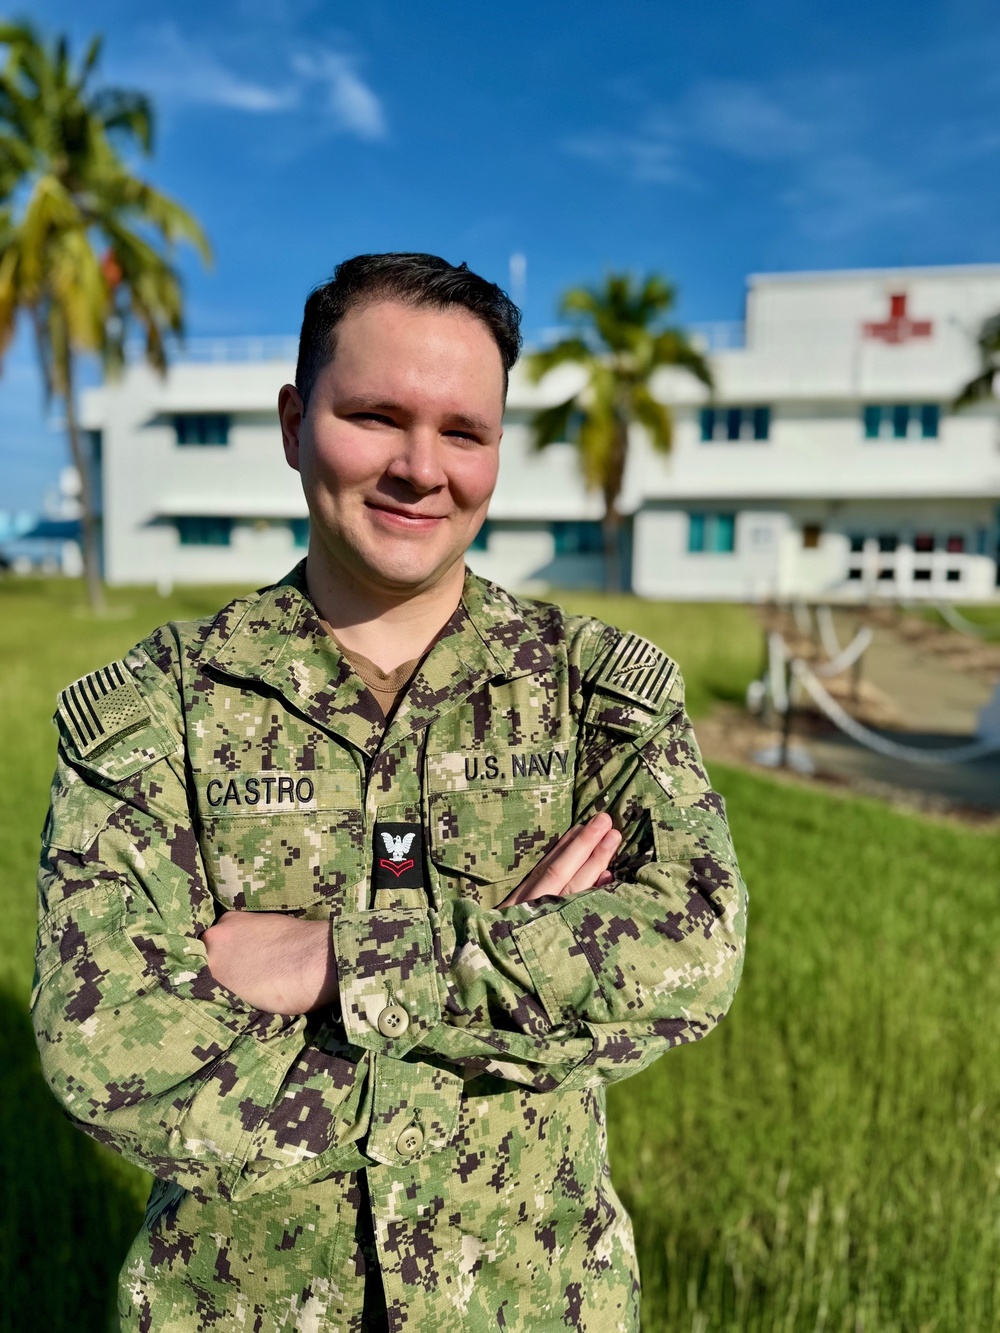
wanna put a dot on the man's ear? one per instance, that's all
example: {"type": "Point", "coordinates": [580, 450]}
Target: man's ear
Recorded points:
{"type": "Point", "coordinates": [291, 411]}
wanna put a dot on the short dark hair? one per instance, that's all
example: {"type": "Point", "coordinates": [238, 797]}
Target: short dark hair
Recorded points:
{"type": "Point", "coordinates": [416, 279]}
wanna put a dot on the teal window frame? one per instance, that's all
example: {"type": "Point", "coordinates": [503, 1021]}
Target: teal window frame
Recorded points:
{"type": "Point", "coordinates": [201, 429]}
{"type": "Point", "coordinates": [711, 534]}
{"type": "Point", "coordinates": [901, 421]}
{"type": "Point", "coordinates": [577, 537]}
{"type": "Point", "coordinates": [204, 530]}
{"type": "Point", "coordinates": [731, 425]}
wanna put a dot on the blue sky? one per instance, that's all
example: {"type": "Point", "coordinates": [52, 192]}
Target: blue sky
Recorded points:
{"type": "Point", "coordinates": [704, 141]}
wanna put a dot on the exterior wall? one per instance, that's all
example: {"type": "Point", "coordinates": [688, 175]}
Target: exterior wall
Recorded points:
{"type": "Point", "coordinates": [522, 557]}
{"type": "Point", "coordinates": [769, 560]}
{"type": "Point", "coordinates": [809, 357]}
{"type": "Point", "coordinates": [150, 480]}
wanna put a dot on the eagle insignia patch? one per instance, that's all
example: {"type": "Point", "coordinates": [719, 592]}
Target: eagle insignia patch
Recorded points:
{"type": "Point", "coordinates": [102, 706]}
{"type": "Point", "coordinates": [399, 862]}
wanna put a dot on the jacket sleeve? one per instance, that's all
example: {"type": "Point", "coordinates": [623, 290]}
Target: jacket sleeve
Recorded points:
{"type": "Point", "coordinates": [587, 989]}
{"type": "Point", "coordinates": [141, 1046]}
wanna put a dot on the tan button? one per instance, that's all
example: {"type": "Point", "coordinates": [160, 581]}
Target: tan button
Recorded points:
{"type": "Point", "coordinates": [393, 1020]}
{"type": "Point", "coordinates": [410, 1141]}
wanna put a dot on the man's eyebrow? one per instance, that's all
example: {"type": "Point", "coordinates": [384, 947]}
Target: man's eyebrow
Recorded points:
{"type": "Point", "coordinates": [370, 403]}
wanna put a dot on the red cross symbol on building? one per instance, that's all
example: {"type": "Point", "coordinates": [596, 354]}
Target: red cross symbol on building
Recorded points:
{"type": "Point", "coordinates": [899, 327]}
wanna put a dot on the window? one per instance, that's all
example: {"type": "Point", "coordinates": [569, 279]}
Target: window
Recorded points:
{"type": "Point", "coordinates": [735, 423]}
{"type": "Point", "coordinates": [715, 533]}
{"type": "Point", "coordinates": [481, 540]}
{"type": "Point", "coordinates": [857, 542]}
{"type": "Point", "coordinates": [953, 576]}
{"type": "Point", "coordinates": [811, 533]}
{"type": "Point", "coordinates": [202, 428]}
{"type": "Point", "coordinates": [923, 542]}
{"type": "Point", "coordinates": [887, 572]}
{"type": "Point", "coordinates": [578, 538]}
{"type": "Point", "coordinates": [955, 545]}
{"type": "Point", "coordinates": [887, 541]}
{"type": "Point", "coordinates": [854, 573]}
{"type": "Point", "coordinates": [204, 531]}
{"type": "Point", "coordinates": [930, 415]}
{"type": "Point", "coordinates": [300, 532]}
{"type": "Point", "coordinates": [901, 421]}
{"type": "Point", "coordinates": [921, 576]}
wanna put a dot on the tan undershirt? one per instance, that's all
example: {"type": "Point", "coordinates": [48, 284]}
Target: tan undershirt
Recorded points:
{"type": "Point", "coordinates": [387, 687]}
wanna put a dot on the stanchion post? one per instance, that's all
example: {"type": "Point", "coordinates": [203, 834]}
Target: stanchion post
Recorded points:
{"type": "Point", "coordinates": [786, 719]}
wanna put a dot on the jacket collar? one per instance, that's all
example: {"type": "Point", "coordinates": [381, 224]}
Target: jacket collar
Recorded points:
{"type": "Point", "coordinates": [280, 642]}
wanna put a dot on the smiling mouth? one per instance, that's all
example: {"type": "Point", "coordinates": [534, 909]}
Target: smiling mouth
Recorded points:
{"type": "Point", "coordinates": [407, 515]}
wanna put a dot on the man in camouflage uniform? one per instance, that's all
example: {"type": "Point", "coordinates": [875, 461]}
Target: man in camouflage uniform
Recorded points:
{"type": "Point", "coordinates": [347, 964]}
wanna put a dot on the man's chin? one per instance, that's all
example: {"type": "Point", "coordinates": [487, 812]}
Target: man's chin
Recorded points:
{"type": "Point", "coordinates": [409, 577]}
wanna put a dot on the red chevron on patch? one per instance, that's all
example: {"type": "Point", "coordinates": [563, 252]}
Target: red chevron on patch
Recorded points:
{"type": "Point", "coordinates": [397, 867]}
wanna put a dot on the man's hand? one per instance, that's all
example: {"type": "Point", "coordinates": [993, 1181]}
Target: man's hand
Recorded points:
{"type": "Point", "coordinates": [274, 962]}
{"type": "Point", "coordinates": [577, 862]}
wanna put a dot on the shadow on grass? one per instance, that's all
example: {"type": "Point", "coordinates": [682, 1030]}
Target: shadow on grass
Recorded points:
{"type": "Point", "coordinates": [69, 1208]}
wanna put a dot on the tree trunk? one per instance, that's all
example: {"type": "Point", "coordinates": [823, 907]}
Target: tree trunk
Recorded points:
{"type": "Point", "coordinates": [612, 561]}
{"type": "Point", "coordinates": [612, 519]}
{"type": "Point", "coordinates": [81, 461]}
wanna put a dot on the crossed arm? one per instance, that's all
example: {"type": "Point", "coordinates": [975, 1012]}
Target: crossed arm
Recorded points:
{"type": "Point", "coordinates": [283, 965]}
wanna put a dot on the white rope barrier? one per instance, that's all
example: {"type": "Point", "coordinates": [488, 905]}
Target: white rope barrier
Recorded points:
{"type": "Point", "coordinates": [828, 632]}
{"type": "Point", "coordinates": [953, 617]}
{"type": "Point", "coordinates": [880, 744]}
{"type": "Point", "coordinates": [777, 658]}
{"type": "Point", "coordinates": [849, 655]}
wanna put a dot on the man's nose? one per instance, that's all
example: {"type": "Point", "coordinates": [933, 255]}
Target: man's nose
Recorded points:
{"type": "Point", "coordinates": [418, 461]}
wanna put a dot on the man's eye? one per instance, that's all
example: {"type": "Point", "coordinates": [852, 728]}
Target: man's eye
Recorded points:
{"type": "Point", "coordinates": [379, 418]}
{"type": "Point", "coordinates": [463, 435]}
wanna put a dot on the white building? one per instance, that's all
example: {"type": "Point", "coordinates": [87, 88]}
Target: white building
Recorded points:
{"type": "Point", "coordinates": [829, 464]}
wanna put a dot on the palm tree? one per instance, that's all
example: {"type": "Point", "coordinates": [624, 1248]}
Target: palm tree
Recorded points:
{"type": "Point", "coordinates": [619, 340]}
{"type": "Point", "coordinates": [981, 385]}
{"type": "Point", "coordinates": [86, 246]}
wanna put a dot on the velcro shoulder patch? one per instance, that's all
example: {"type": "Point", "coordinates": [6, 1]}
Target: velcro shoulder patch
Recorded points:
{"type": "Point", "coordinates": [99, 708]}
{"type": "Point", "coordinates": [638, 671]}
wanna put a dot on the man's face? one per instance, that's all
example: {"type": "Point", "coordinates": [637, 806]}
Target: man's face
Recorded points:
{"type": "Point", "coordinates": [399, 446]}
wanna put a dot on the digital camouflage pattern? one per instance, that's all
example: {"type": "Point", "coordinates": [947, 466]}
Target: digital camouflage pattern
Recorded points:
{"type": "Point", "coordinates": [455, 1102]}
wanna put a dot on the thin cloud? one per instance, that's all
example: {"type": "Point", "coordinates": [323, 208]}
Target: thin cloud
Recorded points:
{"type": "Point", "coordinates": [351, 103]}
{"type": "Point", "coordinates": [643, 156]}
{"type": "Point", "coordinates": [180, 72]}
{"type": "Point", "coordinates": [811, 134]}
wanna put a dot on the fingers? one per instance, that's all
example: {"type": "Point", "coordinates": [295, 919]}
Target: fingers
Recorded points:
{"type": "Point", "coordinates": [596, 865]}
{"type": "Point", "coordinates": [570, 854]}
{"type": "Point", "coordinates": [578, 860]}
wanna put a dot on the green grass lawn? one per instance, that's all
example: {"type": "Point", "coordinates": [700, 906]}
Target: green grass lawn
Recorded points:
{"type": "Point", "coordinates": [828, 1160]}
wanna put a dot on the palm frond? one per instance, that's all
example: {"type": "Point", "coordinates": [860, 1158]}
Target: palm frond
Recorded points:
{"type": "Point", "coordinates": [655, 418]}
{"type": "Point", "coordinates": [568, 351]}
{"type": "Point", "coordinates": [128, 113]}
{"type": "Point", "coordinates": [551, 425]}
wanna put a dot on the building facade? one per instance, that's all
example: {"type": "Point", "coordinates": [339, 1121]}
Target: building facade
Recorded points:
{"type": "Point", "coordinates": [829, 463]}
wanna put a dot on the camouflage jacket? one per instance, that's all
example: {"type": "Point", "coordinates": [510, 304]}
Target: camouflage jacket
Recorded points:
{"type": "Point", "coordinates": [458, 1091]}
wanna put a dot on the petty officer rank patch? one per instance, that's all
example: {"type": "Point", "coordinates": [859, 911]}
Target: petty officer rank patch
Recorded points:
{"type": "Point", "coordinates": [637, 670]}
{"type": "Point", "coordinates": [398, 856]}
{"type": "Point", "coordinates": [102, 706]}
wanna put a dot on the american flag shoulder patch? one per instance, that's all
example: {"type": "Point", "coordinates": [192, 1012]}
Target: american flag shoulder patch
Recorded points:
{"type": "Point", "coordinates": [637, 670]}
{"type": "Point", "coordinates": [102, 706]}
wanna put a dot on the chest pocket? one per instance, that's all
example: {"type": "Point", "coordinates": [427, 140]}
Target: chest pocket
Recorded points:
{"type": "Point", "coordinates": [484, 837]}
{"type": "Point", "coordinates": [307, 858]}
